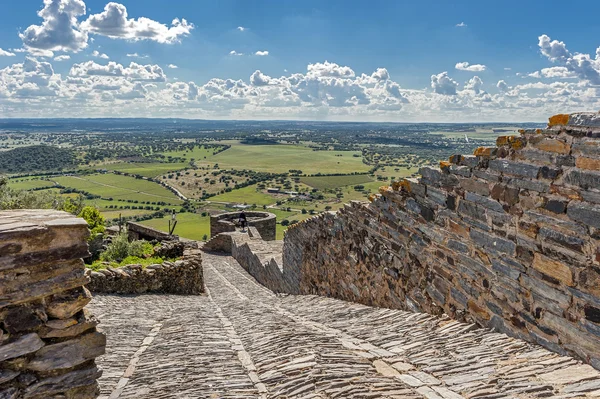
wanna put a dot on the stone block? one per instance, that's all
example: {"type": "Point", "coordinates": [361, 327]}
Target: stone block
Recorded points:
{"type": "Point", "coordinates": [515, 168]}
{"type": "Point", "coordinates": [585, 213]}
{"type": "Point", "coordinates": [471, 210]}
{"type": "Point", "coordinates": [552, 145]}
{"type": "Point", "coordinates": [67, 304]}
{"type": "Point", "coordinates": [556, 206]}
{"type": "Point", "coordinates": [531, 185]}
{"type": "Point", "coordinates": [476, 186]}
{"type": "Point", "coordinates": [584, 179]}
{"type": "Point", "coordinates": [469, 160]}
{"type": "Point", "coordinates": [464, 171]}
{"type": "Point", "coordinates": [22, 346]}
{"type": "Point", "coordinates": [565, 240]}
{"type": "Point", "coordinates": [484, 201]}
{"type": "Point", "coordinates": [588, 163]}
{"type": "Point", "coordinates": [64, 355]}
{"type": "Point", "coordinates": [491, 241]}
{"type": "Point", "coordinates": [553, 268]}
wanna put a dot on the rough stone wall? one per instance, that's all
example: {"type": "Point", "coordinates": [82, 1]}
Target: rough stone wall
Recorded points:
{"type": "Point", "coordinates": [507, 238]}
{"type": "Point", "coordinates": [48, 341]}
{"type": "Point", "coordinates": [136, 231]}
{"type": "Point", "coordinates": [264, 222]}
{"type": "Point", "coordinates": [183, 277]}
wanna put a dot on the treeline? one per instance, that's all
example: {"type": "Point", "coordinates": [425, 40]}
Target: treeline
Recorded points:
{"type": "Point", "coordinates": [36, 158]}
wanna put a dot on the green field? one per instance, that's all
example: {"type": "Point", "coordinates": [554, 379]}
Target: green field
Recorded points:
{"type": "Point", "coordinates": [198, 153]}
{"type": "Point", "coordinates": [30, 184]}
{"type": "Point", "coordinates": [189, 225]}
{"type": "Point", "coordinates": [119, 187]}
{"type": "Point", "coordinates": [282, 158]}
{"type": "Point", "coordinates": [247, 195]}
{"type": "Point", "coordinates": [151, 169]}
{"type": "Point", "coordinates": [329, 182]}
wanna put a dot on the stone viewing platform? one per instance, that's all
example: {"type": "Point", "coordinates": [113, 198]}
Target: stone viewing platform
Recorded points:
{"type": "Point", "coordinates": [264, 222]}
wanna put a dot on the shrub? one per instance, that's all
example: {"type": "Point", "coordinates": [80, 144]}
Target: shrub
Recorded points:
{"type": "Point", "coordinates": [120, 248]}
{"type": "Point", "coordinates": [93, 218]}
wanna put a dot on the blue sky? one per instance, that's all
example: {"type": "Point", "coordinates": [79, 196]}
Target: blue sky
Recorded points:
{"type": "Point", "coordinates": [477, 45]}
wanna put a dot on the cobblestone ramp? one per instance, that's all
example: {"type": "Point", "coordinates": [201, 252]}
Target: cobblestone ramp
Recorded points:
{"type": "Point", "coordinates": [242, 341]}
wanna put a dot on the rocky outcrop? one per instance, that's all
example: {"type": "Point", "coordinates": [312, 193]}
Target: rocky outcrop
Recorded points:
{"type": "Point", "coordinates": [48, 341]}
{"type": "Point", "coordinates": [507, 238]}
{"type": "Point", "coordinates": [183, 277]}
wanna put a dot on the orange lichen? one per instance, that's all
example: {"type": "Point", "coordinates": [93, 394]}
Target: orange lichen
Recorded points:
{"type": "Point", "coordinates": [521, 131]}
{"type": "Point", "coordinates": [396, 185]}
{"type": "Point", "coordinates": [444, 165]}
{"type": "Point", "coordinates": [516, 142]}
{"type": "Point", "coordinates": [483, 151]}
{"type": "Point", "coordinates": [384, 189]}
{"type": "Point", "coordinates": [538, 131]}
{"type": "Point", "coordinates": [372, 197]}
{"type": "Point", "coordinates": [502, 140]}
{"type": "Point", "coordinates": [558, 120]}
{"type": "Point", "coordinates": [405, 184]}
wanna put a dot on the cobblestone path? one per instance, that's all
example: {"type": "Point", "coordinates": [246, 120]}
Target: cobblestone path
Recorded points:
{"type": "Point", "coordinates": [242, 341]}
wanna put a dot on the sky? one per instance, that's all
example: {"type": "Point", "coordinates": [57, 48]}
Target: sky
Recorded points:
{"type": "Point", "coordinates": [393, 61]}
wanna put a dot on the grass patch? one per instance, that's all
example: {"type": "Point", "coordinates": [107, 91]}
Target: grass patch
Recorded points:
{"type": "Point", "coordinates": [130, 260]}
{"type": "Point", "coordinates": [328, 182]}
{"type": "Point", "coordinates": [282, 158]}
{"type": "Point", "coordinates": [29, 184]}
{"type": "Point", "coordinates": [150, 169]}
{"type": "Point", "coordinates": [245, 195]}
{"type": "Point", "coordinates": [119, 187]}
{"type": "Point", "coordinates": [192, 226]}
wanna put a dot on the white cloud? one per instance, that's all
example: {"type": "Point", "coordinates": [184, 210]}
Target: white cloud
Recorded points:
{"type": "Point", "coordinates": [464, 66]}
{"type": "Point", "coordinates": [502, 86]}
{"type": "Point", "coordinates": [233, 52]}
{"type": "Point", "coordinates": [172, 66]}
{"type": "Point", "coordinates": [443, 84]}
{"type": "Point", "coordinates": [580, 65]}
{"type": "Point", "coordinates": [461, 25]}
{"type": "Point", "coordinates": [59, 30]}
{"type": "Point", "coordinates": [98, 54]}
{"type": "Point", "coordinates": [241, 28]}
{"type": "Point", "coordinates": [329, 69]}
{"type": "Point", "coordinates": [507, 69]}
{"type": "Point", "coordinates": [134, 72]}
{"type": "Point", "coordinates": [62, 58]}
{"type": "Point", "coordinates": [136, 55]}
{"type": "Point", "coordinates": [261, 53]}
{"type": "Point", "coordinates": [4, 53]}
{"type": "Point", "coordinates": [475, 84]}
{"type": "Point", "coordinates": [114, 23]}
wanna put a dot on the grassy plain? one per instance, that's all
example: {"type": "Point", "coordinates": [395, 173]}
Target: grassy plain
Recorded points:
{"type": "Point", "coordinates": [29, 184]}
{"type": "Point", "coordinates": [119, 187]}
{"type": "Point", "coordinates": [189, 225]}
{"type": "Point", "coordinates": [247, 195]}
{"type": "Point", "coordinates": [198, 153]}
{"type": "Point", "coordinates": [282, 158]}
{"type": "Point", "coordinates": [328, 182]}
{"type": "Point", "coordinates": [151, 169]}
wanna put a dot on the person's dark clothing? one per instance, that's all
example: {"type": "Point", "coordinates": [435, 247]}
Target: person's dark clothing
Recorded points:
{"type": "Point", "coordinates": [242, 220]}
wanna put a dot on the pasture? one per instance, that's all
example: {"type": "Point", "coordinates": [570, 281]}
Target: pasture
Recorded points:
{"type": "Point", "coordinates": [189, 225]}
{"type": "Point", "coordinates": [329, 182]}
{"type": "Point", "coordinates": [29, 184]}
{"type": "Point", "coordinates": [150, 169]}
{"type": "Point", "coordinates": [247, 195]}
{"type": "Point", "coordinates": [283, 158]}
{"type": "Point", "coordinates": [119, 188]}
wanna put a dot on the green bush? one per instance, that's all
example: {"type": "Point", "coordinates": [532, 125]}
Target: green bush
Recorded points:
{"type": "Point", "coordinates": [120, 248]}
{"type": "Point", "coordinates": [94, 219]}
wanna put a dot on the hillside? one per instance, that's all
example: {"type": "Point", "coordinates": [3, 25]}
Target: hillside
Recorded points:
{"type": "Point", "coordinates": [36, 158]}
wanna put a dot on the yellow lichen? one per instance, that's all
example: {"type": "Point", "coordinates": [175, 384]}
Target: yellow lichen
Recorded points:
{"type": "Point", "coordinates": [502, 140]}
{"type": "Point", "coordinates": [444, 165]}
{"type": "Point", "coordinates": [372, 197]}
{"type": "Point", "coordinates": [516, 142]}
{"type": "Point", "coordinates": [538, 131]}
{"type": "Point", "coordinates": [483, 152]}
{"type": "Point", "coordinates": [558, 120]}
{"type": "Point", "coordinates": [405, 183]}
{"type": "Point", "coordinates": [396, 185]}
{"type": "Point", "coordinates": [384, 189]}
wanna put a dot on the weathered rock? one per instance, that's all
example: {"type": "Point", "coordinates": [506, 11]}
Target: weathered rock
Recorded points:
{"type": "Point", "coordinates": [65, 355]}
{"type": "Point", "coordinates": [24, 345]}
{"type": "Point", "coordinates": [585, 213]}
{"type": "Point", "coordinates": [67, 304]}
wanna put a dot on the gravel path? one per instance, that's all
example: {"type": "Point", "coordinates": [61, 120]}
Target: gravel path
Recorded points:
{"type": "Point", "coordinates": [242, 341]}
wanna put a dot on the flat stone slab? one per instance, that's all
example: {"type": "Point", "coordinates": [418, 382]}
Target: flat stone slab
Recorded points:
{"type": "Point", "coordinates": [242, 341]}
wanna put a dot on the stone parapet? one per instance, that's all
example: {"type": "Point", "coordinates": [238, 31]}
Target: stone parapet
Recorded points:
{"type": "Point", "coordinates": [264, 222]}
{"type": "Point", "coordinates": [507, 238]}
{"type": "Point", "coordinates": [48, 341]}
{"type": "Point", "coordinates": [183, 277]}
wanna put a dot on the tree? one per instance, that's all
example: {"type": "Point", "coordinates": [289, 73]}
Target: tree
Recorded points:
{"type": "Point", "coordinates": [94, 219]}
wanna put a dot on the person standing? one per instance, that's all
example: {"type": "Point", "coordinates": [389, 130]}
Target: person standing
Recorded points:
{"type": "Point", "coordinates": [243, 221]}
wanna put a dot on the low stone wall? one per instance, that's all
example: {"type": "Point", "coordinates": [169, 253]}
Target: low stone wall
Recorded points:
{"type": "Point", "coordinates": [508, 238]}
{"type": "Point", "coordinates": [138, 231]}
{"type": "Point", "coordinates": [48, 342]}
{"type": "Point", "coordinates": [264, 222]}
{"type": "Point", "coordinates": [183, 277]}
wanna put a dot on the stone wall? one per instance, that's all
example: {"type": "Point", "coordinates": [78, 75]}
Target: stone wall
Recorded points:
{"type": "Point", "coordinates": [137, 231]}
{"type": "Point", "coordinates": [48, 341]}
{"type": "Point", "coordinates": [183, 277]}
{"type": "Point", "coordinates": [265, 223]}
{"type": "Point", "coordinates": [507, 238]}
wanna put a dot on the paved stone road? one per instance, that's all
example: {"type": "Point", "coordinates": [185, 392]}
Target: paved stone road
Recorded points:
{"type": "Point", "coordinates": [242, 341]}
